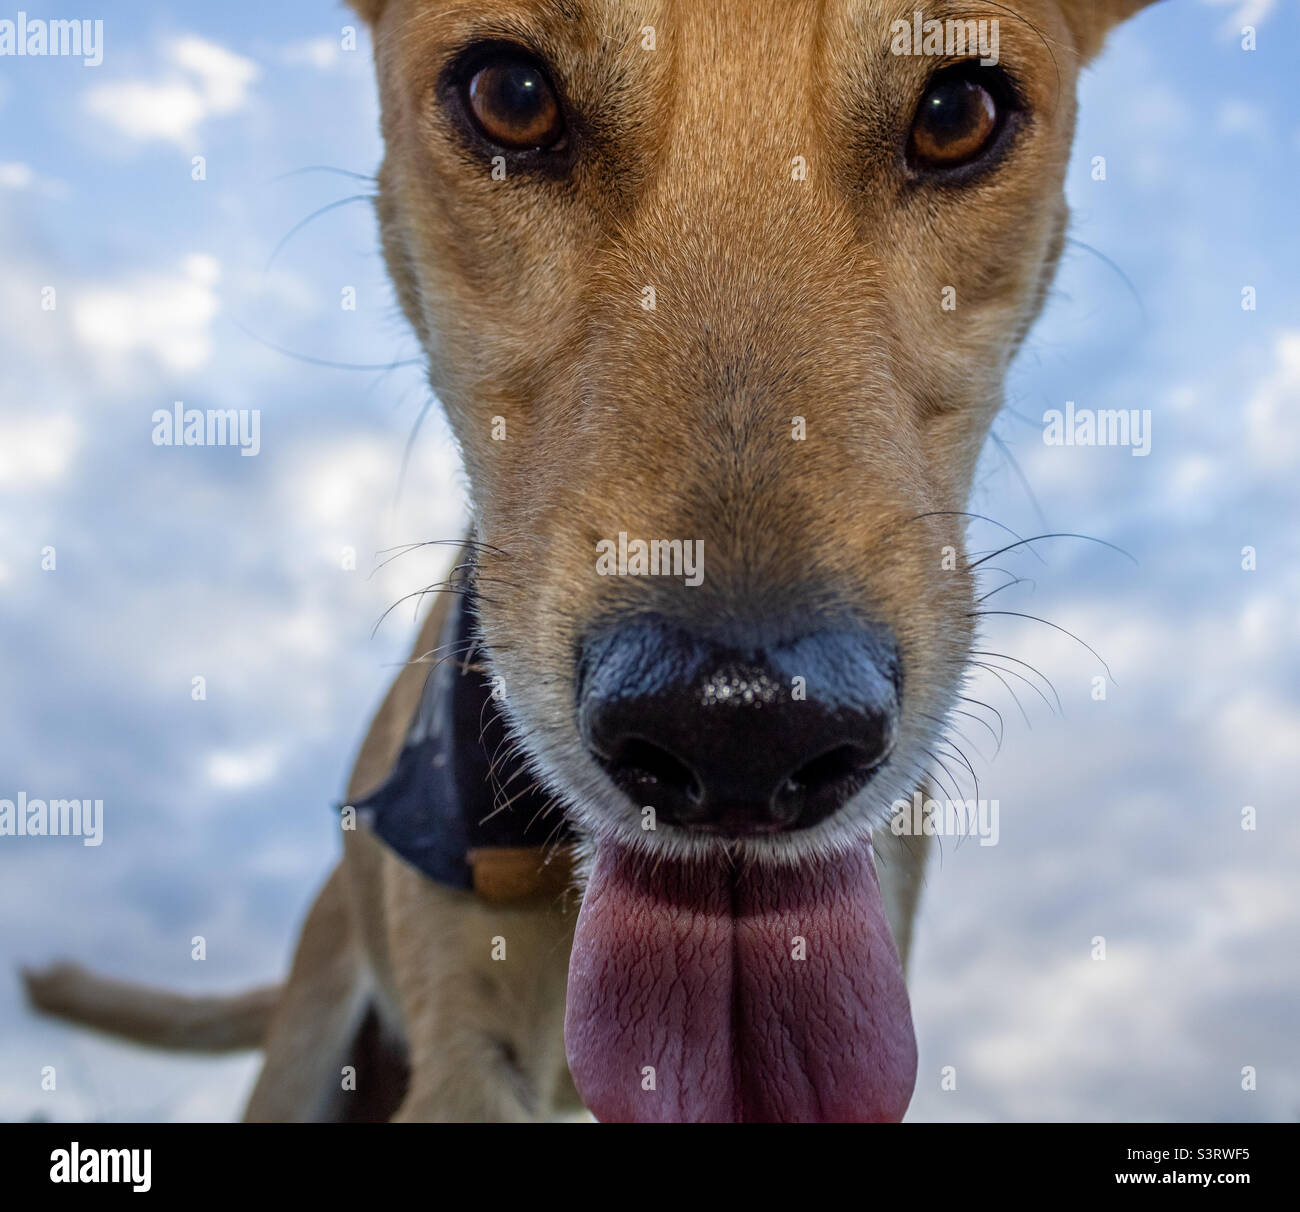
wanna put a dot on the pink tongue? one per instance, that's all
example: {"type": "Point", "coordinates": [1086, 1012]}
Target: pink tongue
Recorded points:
{"type": "Point", "coordinates": [689, 1000]}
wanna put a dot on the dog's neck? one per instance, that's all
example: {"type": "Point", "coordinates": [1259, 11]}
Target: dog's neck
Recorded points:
{"type": "Point", "coordinates": [459, 805]}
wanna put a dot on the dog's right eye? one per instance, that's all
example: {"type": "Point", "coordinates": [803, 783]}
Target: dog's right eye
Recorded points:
{"type": "Point", "coordinates": [959, 120]}
{"type": "Point", "coordinates": [511, 101]}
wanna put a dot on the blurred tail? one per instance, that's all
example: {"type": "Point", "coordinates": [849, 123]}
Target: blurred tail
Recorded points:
{"type": "Point", "coordinates": [152, 1016]}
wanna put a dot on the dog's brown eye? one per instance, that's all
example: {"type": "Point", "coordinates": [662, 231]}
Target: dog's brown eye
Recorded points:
{"type": "Point", "coordinates": [957, 121]}
{"type": "Point", "coordinates": [514, 104]}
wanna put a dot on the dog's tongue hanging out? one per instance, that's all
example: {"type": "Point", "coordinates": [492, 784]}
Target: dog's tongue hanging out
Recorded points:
{"type": "Point", "coordinates": [703, 992]}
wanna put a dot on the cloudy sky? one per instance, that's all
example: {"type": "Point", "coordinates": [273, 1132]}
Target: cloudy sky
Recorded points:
{"type": "Point", "coordinates": [1121, 817]}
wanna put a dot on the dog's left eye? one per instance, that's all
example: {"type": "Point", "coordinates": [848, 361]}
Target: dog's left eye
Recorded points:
{"type": "Point", "coordinates": [513, 104]}
{"type": "Point", "coordinates": [958, 119]}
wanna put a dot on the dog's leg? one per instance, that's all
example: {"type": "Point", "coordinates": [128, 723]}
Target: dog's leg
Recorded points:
{"type": "Point", "coordinates": [484, 1036]}
{"type": "Point", "coordinates": [482, 990]}
{"type": "Point", "coordinates": [323, 1005]}
{"type": "Point", "coordinates": [900, 867]}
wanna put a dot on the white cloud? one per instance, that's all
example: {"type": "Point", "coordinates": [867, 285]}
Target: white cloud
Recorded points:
{"type": "Point", "coordinates": [223, 76]}
{"type": "Point", "coordinates": [1191, 481]}
{"type": "Point", "coordinates": [343, 483]}
{"type": "Point", "coordinates": [338, 490]}
{"type": "Point", "coordinates": [1273, 414]}
{"type": "Point", "coordinates": [1158, 109]}
{"type": "Point", "coordinates": [1244, 12]}
{"type": "Point", "coordinates": [18, 176]}
{"type": "Point", "coordinates": [168, 318]}
{"type": "Point", "coordinates": [204, 81]}
{"type": "Point", "coordinates": [322, 53]}
{"type": "Point", "coordinates": [36, 450]}
{"type": "Point", "coordinates": [1238, 117]}
{"type": "Point", "coordinates": [14, 175]}
{"type": "Point", "coordinates": [1085, 1039]}
{"type": "Point", "coordinates": [235, 770]}
{"type": "Point", "coordinates": [149, 111]}
{"type": "Point", "coordinates": [1256, 729]}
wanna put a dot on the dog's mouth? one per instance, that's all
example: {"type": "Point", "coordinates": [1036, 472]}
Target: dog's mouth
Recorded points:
{"type": "Point", "coordinates": [705, 992]}
{"type": "Point", "coordinates": [715, 976]}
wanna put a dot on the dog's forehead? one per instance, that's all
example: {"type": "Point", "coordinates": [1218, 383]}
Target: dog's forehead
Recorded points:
{"type": "Point", "coordinates": [716, 35]}
{"type": "Point", "coordinates": [736, 16]}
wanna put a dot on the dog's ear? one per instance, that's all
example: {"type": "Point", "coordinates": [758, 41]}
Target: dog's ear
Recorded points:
{"type": "Point", "coordinates": [367, 10]}
{"type": "Point", "coordinates": [1092, 20]}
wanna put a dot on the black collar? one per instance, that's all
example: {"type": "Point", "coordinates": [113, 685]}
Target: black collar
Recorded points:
{"type": "Point", "coordinates": [442, 801]}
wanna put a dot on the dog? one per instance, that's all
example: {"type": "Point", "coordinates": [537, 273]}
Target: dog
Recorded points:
{"type": "Point", "coordinates": [719, 299]}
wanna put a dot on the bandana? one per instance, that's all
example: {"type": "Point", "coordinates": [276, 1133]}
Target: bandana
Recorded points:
{"type": "Point", "coordinates": [445, 810]}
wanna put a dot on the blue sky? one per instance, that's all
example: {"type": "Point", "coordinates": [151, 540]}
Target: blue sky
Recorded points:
{"type": "Point", "coordinates": [1119, 818]}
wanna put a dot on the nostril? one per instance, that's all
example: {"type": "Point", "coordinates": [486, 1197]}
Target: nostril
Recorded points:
{"type": "Point", "coordinates": [824, 785]}
{"type": "Point", "coordinates": [639, 761]}
{"type": "Point", "coordinates": [834, 766]}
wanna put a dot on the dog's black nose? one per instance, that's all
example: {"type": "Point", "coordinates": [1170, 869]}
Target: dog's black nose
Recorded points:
{"type": "Point", "coordinates": [735, 740]}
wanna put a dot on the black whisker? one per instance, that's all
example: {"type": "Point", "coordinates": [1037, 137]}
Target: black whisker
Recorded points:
{"type": "Point", "coordinates": [1012, 693]}
{"type": "Point", "coordinates": [1002, 656]}
{"type": "Point", "coordinates": [316, 214]}
{"type": "Point", "coordinates": [1020, 676]}
{"type": "Point", "coordinates": [1011, 584]}
{"type": "Point", "coordinates": [1015, 614]}
{"type": "Point", "coordinates": [1087, 538]}
{"type": "Point", "coordinates": [378, 367]}
{"type": "Point", "coordinates": [465, 591]}
{"type": "Point", "coordinates": [1002, 725]}
{"type": "Point", "coordinates": [1123, 277]}
{"type": "Point", "coordinates": [323, 168]}
{"type": "Point", "coordinates": [954, 790]}
{"type": "Point", "coordinates": [983, 723]}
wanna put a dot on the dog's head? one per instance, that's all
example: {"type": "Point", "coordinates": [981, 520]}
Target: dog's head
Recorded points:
{"type": "Point", "coordinates": [739, 282]}
{"type": "Point", "coordinates": [719, 296]}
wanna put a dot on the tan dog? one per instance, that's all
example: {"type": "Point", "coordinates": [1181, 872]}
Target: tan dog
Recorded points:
{"type": "Point", "coordinates": [745, 274]}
